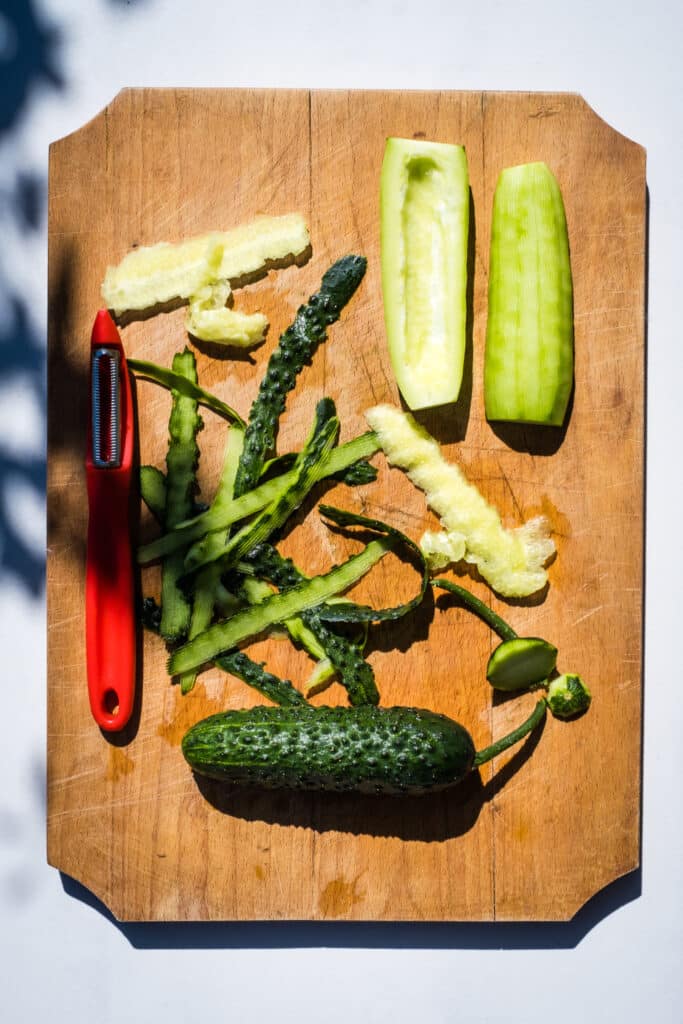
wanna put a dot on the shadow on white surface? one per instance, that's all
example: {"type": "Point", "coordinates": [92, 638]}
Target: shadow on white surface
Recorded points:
{"type": "Point", "coordinates": [369, 935]}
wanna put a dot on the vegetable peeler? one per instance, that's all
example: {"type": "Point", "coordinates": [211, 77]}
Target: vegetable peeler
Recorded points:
{"type": "Point", "coordinates": [109, 583]}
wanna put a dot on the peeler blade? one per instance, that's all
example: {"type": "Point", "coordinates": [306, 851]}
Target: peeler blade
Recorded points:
{"type": "Point", "coordinates": [106, 407]}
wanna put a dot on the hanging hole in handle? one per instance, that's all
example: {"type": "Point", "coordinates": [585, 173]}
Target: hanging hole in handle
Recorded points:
{"type": "Point", "coordinates": [110, 701]}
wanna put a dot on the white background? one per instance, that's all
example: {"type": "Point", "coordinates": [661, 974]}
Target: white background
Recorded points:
{"type": "Point", "coordinates": [61, 958]}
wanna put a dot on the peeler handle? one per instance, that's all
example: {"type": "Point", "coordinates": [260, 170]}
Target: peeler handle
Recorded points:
{"type": "Point", "coordinates": [110, 599]}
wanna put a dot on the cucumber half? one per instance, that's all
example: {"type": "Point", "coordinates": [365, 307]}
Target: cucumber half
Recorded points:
{"type": "Point", "coordinates": [529, 361]}
{"type": "Point", "coordinates": [424, 200]}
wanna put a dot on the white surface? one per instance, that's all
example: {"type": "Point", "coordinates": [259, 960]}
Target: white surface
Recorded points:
{"type": "Point", "coordinates": [62, 959]}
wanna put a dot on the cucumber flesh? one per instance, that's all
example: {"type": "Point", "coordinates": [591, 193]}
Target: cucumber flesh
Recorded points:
{"type": "Point", "coordinates": [529, 361]}
{"type": "Point", "coordinates": [424, 200]}
{"type": "Point", "coordinates": [524, 661]}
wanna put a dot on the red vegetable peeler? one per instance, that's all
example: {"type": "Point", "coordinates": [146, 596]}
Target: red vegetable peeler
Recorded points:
{"type": "Point", "coordinates": [109, 587]}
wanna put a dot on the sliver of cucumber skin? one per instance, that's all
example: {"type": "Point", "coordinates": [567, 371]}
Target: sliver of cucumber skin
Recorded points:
{"type": "Point", "coordinates": [193, 529]}
{"type": "Point", "coordinates": [308, 469]}
{"type": "Point", "coordinates": [355, 673]}
{"type": "Point", "coordinates": [294, 350]}
{"type": "Point", "coordinates": [208, 580]}
{"type": "Point", "coordinates": [181, 464]}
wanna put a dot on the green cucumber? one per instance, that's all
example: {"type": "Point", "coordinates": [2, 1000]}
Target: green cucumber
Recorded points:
{"type": "Point", "coordinates": [365, 749]}
{"type": "Point", "coordinates": [425, 203]}
{"type": "Point", "coordinates": [529, 362]}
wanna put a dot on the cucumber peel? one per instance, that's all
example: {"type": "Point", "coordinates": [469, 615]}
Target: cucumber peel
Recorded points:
{"type": "Point", "coordinates": [529, 362]}
{"type": "Point", "coordinates": [425, 201]}
{"type": "Point", "coordinates": [181, 462]}
{"type": "Point", "coordinates": [184, 386]}
{"type": "Point", "coordinates": [338, 654]}
{"type": "Point", "coordinates": [223, 636]}
{"type": "Point", "coordinates": [230, 512]}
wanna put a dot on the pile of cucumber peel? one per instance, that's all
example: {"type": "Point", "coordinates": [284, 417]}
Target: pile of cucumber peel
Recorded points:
{"type": "Point", "coordinates": [224, 583]}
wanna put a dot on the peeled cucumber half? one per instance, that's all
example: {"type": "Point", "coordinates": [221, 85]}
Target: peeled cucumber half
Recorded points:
{"type": "Point", "coordinates": [424, 203]}
{"type": "Point", "coordinates": [529, 363]}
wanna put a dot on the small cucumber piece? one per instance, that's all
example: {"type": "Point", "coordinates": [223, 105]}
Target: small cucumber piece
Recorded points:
{"type": "Point", "coordinates": [529, 361]}
{"type": "Point", "coordinates": [516, 664]}
{"type": "Point", "coordinates": [425, 202]}
{"type": "Point", "coordinates": [568, 695]}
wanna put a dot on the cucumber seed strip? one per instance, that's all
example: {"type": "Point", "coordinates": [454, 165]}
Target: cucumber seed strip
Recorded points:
{"type": "Point", "coordinates": [208, 580]}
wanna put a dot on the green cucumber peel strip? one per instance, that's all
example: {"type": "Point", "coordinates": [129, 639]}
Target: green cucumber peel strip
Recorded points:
{"type": "Point", "coordinates": [257, 590]}
{"type": "Point", "coordinates": [361, 472]}
{"type": "Point", "coordinates": [223, 636]}
{"type": "Point", "coordinates": [473, 604]}
{"type": "Point", "coordinates": [153, 491]}
{"type": "Point", "coordinates": [280, 691]}
{"type": "Point", "coordinates": [181, 463]}
{"type": "Point", "coordinates": [207, 582]}
{"type": "Point", "coordinates": [308, 469]}
{"type": "Point", "coordinates": [361, 447]}
{"type": "Point", "coordinates": [294, 350]}
{"type": "Point", "coordinates": [364, 613]}
{"type": "Point", "coordinates": [190, 389]}
{"type": "Point", "coordinates": [532, 722]}
{"type": "Point", "coordinates": [346, 657]}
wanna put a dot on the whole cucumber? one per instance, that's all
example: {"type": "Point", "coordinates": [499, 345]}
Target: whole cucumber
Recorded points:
{"type": "Point", "coordinates": [366, 749]}
{"type": "Point", "coordinates": [529, 363]}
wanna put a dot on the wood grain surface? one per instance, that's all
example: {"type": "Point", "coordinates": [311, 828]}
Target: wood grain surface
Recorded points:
{"type": "Point", "coordinates": [548, 824]}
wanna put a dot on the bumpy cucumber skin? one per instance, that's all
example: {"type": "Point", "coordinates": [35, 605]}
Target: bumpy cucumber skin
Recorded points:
{"type": "Point", "coordinates": [362, 749]}
{"type": "Point", "coordinates": [181, 463]}
{"type": "Point", "coordinates": [295, 348]}
{"type": "Point", "coordinates": [424, 204]}
{"type": "Point", "coordinates": [529, 363]}
{"type": "Point", "coordinates": [355, 672]}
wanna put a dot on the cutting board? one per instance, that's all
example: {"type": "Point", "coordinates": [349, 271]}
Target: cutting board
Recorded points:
{"type": "Point", "coordinates": [548, 824]}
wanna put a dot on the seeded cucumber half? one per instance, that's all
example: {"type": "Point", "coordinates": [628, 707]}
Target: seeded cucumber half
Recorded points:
{"type": "Point", "coordinates": [424, 200]}
{"type": "Point", "coordinates": [529, 362]}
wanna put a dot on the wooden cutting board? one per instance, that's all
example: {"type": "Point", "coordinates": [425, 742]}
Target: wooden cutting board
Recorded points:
{"type": "Point", "coordinates": [544, 827]}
